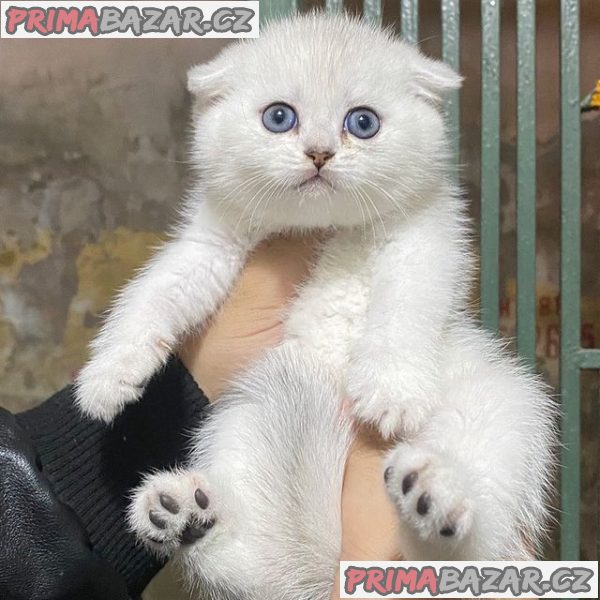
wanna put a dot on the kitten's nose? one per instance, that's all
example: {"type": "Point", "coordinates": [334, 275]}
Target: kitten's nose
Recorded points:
{"type": "Point", "coordinates": [319, 158]}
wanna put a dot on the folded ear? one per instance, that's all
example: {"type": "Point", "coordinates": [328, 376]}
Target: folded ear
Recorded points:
{"type": "Point", "coordinates": [433, 78]}
{"type": "Point", "coordinates": [208, 81]}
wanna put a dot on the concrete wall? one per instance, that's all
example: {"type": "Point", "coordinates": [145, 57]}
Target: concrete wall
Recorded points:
{"type": "Point", "coordinates": [93, 160]}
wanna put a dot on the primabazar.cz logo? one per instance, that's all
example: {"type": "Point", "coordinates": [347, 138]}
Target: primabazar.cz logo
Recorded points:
{"type": "Point", "coordinates": [463, 579]}
{"type": "Point", "coordinates": [109, 19]}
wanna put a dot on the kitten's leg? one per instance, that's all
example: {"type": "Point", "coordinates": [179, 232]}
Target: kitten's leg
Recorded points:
{"type": "Point", "coordinates": [270, 460]}
{"type": "Point", "coordinates": [418, 282]}
{"type": "Point", "coordinates": [473, 484]}
{"type": "Point", "coordinates": [179, 289]}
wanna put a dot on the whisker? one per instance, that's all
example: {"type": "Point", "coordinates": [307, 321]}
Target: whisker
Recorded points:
{"type": "Point", "coordinates": [393, 200]}
{"type": "Point", "coordinates": [250, 203]}
{"type": "Point", "coordinates": [276, 190]}
{"type": "Point", "coordinates": [359, 195]}
{"type": "Point", "coordinates": [373, 228]}
{"type": "Point", "coordinates": [358, 203]}
{"type": "Point", "coordinates": [269, 188]}
{"type": "Point", "coordinates": [377, 212]}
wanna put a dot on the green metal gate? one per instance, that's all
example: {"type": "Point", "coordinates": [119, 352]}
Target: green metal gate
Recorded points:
{"type": "Point", "coordinates": [573, 357]}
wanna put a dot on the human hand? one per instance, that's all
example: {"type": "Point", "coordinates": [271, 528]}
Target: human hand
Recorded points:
{"type": "Point", "coordinates": [249, 323]}
{"type": "Point", "coordinates": [250, 320]}
{"type": "Point", "coordinates": [369, 521]}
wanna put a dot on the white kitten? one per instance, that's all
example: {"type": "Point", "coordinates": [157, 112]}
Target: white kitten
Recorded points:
{"type": "Point", "coordinates": [328, 122]}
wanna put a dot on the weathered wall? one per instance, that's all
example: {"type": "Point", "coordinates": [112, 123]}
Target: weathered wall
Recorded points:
{"type": "Point", "coordinates": [92, 162]}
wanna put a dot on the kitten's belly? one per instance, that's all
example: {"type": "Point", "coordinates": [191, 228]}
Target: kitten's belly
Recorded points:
{"type": "Point", "coordinates": [329, 312]}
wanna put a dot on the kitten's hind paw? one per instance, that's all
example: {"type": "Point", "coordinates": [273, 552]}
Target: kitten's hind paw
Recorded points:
{"type": "Point", "coordinates": [171, 509]}
{"type": "Point", "coordinates": [430, 493]}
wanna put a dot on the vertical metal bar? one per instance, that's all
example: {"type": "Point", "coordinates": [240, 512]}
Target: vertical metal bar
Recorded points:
{"type": "Point", "coordinates": [526, 180]}
{"type": "Point", "coordinates": [409, 12]}
{"type": "Point", "coordinates": [333, 6]}
{"type": "Point", "coordinates": [451, 54]}
{"type": "Point", "coordinates": [275, 9]}
{"type": "Point", "coordinates": [570, 279]}
{"type": "Point", "coordinates": [490, 163]}
{"type": "Point", "coordinates": [372, 11]}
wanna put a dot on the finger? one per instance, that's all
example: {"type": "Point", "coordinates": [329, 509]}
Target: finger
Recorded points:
{"type": "Point", "coordinates": [369, 520]}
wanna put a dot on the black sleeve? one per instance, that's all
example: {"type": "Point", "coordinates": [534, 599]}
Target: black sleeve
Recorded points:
{"type": "Point", "coordinates": [64, 485]}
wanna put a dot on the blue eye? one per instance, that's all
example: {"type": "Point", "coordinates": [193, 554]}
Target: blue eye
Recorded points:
{"type": "Point", "coordinates": [279, 118]}
{"type": "Point", "coordinates": [362, 122]}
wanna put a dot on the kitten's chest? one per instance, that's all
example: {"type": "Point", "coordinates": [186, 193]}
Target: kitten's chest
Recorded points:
{"type": "Point", "coordinates": [329, 312]}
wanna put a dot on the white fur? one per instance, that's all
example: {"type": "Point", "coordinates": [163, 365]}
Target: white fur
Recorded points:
{"type": "Point", "coordinates": [272, 466]}
{"type": "Point", "coordinates": [380, 321]}
{"type": "Point", "coordinates": [179, 289]}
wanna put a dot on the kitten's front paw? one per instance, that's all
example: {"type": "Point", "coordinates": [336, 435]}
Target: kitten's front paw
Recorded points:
{"type": "Point", "coordinates": [170, 510]}
{"type": "Point", "coordinates": [115, 378]}
{"type": "Point", "coordinates": [392, 400]}
{"type": "Point", "coordinates": [430, 493]}
{"type": "Point", "coordinates": [103, 396]}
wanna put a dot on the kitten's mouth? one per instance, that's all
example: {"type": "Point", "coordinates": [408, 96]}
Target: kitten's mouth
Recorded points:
{"type": "Point", "coordinates": [315, 182]}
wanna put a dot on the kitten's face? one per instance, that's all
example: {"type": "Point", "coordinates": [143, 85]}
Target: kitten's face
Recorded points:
{"type": "Point", "coordinates": [323, 121]}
